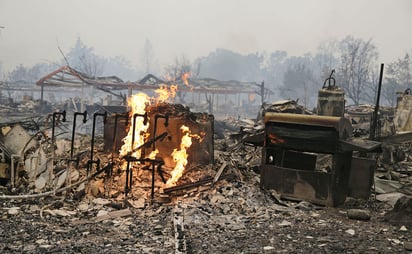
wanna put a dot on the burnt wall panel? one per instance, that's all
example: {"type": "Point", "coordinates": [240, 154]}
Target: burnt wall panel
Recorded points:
{"type": "Point", "coordinates": [112, 135]}
{"type": "Point", "coordinates": [198, 153]}
{"type": "Point", "coordinates": [199, 123]}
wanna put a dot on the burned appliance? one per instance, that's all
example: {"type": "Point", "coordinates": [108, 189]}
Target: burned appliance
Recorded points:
{"type": "Point", "coordinates": [309, 157]}
{"type": "Point", "coordinates": [331, 98]}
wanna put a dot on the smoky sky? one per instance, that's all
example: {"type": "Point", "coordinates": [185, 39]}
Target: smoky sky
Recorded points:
{"type": "Point", "coordinates": [33, 30]}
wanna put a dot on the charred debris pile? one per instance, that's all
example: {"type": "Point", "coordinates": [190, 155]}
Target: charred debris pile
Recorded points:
{"type": "Point", "coordinates": [31, 165]}
{"type": "Point", "coordinates": [181, 169]}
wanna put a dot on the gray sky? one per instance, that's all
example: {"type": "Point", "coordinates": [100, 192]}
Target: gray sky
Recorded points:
{"type": "Point", "coordinates": [192, 28]}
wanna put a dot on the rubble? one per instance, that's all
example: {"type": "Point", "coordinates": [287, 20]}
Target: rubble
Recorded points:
{"type": "Point", "coordinates": [215, 208]}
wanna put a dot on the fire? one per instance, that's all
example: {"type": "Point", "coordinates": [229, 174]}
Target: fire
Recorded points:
{"type": "Point", "coordinates": [185, 77]}
{"type": "Point", "coordinates": [251, 97]}
{"type": "Point", "coordinates": [165, 92]}
{"type": "Point", "coordinates": [152, 155]}
{"type": "Point", "coordinates": [137, 104]}
{"type": "Point", "coordinates": [180, 156]}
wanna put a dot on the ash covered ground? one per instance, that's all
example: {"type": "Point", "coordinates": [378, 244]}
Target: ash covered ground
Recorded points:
{"type": "Point", "coordinates": [234, 215]}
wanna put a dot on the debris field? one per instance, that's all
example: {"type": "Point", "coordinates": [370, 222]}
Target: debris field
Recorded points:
{"type": "Point", "coordinates": [67, 187]}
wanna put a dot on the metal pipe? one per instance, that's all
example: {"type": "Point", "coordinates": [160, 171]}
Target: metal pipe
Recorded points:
{"type": "Point", "coordinates": [149, 142]}
{"type": "Point", "coordinates": [116, 117]}
{"type": "Point", "coordinates": [77, 159]}
{"type": "Point", "coordinates": [166, 117]}
{"type": "Point", "coordinates": [53, 125]}
{"type": "Point", "coordinates": [84, 114]}
{"type": "Point", "coordinates": [133, 159]}
{"type": "Point", "coordinates": [74, 160]}
{"type": "Point", "coordinates": [159, 163]}
{"type": "Point", "coordinates": [166, 123]}
{"type": "Point", "coordinates": [53, 137]}
{"type": "Point", "coordinates": [90, 164]}
{"type": "Point", "coordinates": [374, 123]}
{"type": "Point", "coordinates": [91, 161]}
{"type": "Point", "coordinates": [129, 173]}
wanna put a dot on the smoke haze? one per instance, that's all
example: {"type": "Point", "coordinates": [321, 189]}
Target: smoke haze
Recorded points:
{"type": "Point", "coordinates": [33, 30]}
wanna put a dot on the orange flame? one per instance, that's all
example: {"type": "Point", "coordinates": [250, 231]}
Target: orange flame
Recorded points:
{"type": "Point", "coordinates": [251, 97]}
{"type": "Point", "coordinates": [164, 93]}
{"type": "Point", "coordinates": [137, 104]}
{"type": "Point", "coordinates": [185, 77]}
{"type": "Point", "coordinates": [180, 156]}
{"type": "Point", "coordinates": [152, 155]}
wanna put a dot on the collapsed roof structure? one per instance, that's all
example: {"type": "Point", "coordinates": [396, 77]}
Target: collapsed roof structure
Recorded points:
{"type": "Point", "coordinates": [68, 77]}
